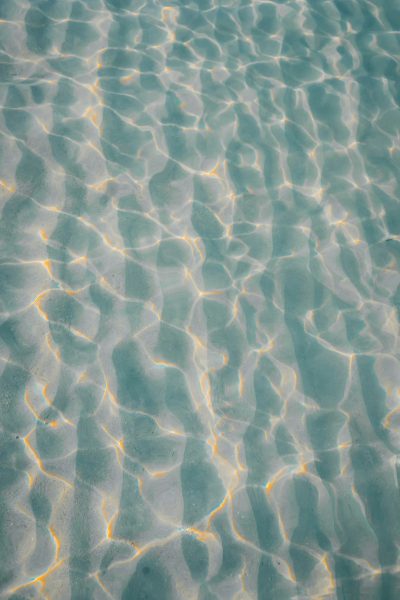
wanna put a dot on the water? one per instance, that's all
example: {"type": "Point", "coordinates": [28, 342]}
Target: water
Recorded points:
{"type": "Point", "coordinates": [199, 296]}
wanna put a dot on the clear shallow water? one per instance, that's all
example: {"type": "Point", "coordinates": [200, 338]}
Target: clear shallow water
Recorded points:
{"type": "Point", "coordinates": [199, 389]}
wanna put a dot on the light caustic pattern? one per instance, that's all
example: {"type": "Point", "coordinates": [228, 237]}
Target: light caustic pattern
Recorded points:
{"type": "Point", "coordinates": [199, 297]}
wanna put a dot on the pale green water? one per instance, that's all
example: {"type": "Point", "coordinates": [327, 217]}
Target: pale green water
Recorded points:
{"type": "Point", "coordinates": [199, 297]}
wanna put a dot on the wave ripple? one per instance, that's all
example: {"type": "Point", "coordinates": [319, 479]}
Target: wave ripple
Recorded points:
{"type": "Point", "coordinates": [199, 299]}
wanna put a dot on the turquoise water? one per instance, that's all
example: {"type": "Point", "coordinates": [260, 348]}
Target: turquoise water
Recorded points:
{"type": "Point", "coordinates": [199, 298]}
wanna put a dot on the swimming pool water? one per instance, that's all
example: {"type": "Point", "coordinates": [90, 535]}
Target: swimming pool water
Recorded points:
{"type": "Point", "coordinates": [199, 299]}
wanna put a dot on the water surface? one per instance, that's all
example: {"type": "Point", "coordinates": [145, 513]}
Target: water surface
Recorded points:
{"type": "Point", "coordinates": [199, 300]}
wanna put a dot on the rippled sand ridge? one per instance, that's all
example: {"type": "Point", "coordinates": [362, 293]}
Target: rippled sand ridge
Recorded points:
{"type": "Point", "coordinates": [199, 299]}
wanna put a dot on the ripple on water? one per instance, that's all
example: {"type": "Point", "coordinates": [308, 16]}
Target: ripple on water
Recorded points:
{"type": "Point", "coordinates": [199, 298]}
